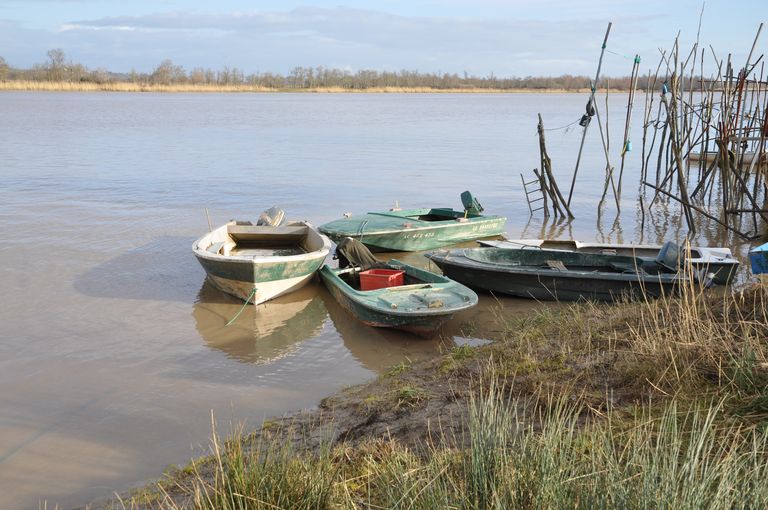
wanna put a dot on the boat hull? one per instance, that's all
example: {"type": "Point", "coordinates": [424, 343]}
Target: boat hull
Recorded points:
{"type": "Point", "coordinates": [758, 259]}
{"type": "Point", "coordinates": [264, 290]}
{"type": "Point", "coordinates": [383, 232]}
{"type": "Point", "coordinates": [718, 262]}
{"type": "Point", "coordinates": [553, 284]}
{"type": "Point", "coordinates": [379, 308]}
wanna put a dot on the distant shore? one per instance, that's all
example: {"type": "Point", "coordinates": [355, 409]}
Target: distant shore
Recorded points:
{"type": "Point", "coordinates": [53, 86]}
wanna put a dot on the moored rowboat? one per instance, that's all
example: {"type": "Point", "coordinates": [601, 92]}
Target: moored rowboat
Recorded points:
{"type": "Point", "coordinates": [417, 229]}
{"type": "Point", "coordinates": [555, 275]}
{"type": "Point", "coordinates": [718, 261]}
{"type": "Point", "coordinates": [259, 262]}
{"type": "Point", "coordinates": [420, 304]}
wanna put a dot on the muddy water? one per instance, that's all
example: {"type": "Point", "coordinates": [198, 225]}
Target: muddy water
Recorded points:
{"type": "Point", "coordinates": [113, 350]}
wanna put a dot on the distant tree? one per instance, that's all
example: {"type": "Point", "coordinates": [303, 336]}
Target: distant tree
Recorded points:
{"type": "Point", "coordinates": [167, 72]}
{"type": "Point", "coordinates": [4, 69]}
{"type": "Point", "coordinates": [236, 76]}
{"type": "Point", "coordinates": [224, 76]}
{"type": "Point", "coordinates": [197, 76]}
{"type": "Point", "coordinates": [100, 75]}
{"type": "Point", "coordinates": [56, 64]}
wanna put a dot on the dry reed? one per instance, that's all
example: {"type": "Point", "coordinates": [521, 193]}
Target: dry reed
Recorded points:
{"type": "Point", "coordinates": [56, 86]}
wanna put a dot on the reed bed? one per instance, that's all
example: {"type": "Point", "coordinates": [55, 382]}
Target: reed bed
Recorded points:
{"type": "Point", "coordinates": [656, 404]}
{"type": "Point", "coordinates": [63, 86]}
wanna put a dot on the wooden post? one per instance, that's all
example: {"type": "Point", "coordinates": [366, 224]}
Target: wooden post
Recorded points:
{"type": "Point", "coordinates": [546, 168]}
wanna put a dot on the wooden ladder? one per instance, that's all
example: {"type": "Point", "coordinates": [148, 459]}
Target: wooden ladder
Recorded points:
{"type": "Point", "coordinates": [533, 190]}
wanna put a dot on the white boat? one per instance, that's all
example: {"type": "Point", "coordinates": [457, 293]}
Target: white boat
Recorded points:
{"type": "Point", "coordinates": [747, 157]}
{"type": "Point", "coordinates": [717, 260]}
{"type": "Point", "coordinates": [260, 262]}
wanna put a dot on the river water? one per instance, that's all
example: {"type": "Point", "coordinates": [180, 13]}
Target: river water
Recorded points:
{"type": "Point", "coordinates": [114, 352]}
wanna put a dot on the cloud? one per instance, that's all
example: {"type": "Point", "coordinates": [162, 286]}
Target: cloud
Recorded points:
{"type": "Point", "coordinates": [352, 38]}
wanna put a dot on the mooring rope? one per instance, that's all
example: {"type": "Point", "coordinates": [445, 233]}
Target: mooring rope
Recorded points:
{"type": "Point", "coordinates": [619, 54]}
{"type": "Point", "coordinates": [563, 127]}
{"type": "Point", "coordinates": [253, 293]}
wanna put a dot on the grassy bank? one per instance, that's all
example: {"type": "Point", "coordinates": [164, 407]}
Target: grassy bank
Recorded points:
{"type": "Point", "coordinates": [63, 86]}
{"type": "Point", "coordinates": [656, 404]}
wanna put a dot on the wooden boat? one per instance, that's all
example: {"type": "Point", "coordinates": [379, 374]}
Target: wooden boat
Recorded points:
{"type": "Point", "coordinates": [421, 304]}
{"type": "Point", "coordinates": [417, 229]}
{"type": "Point", "coordinates": [555, 275]}
{"type": "Point", "coordinates": [758, 259]}
{"type": "Point", "coordinates": [717, 261]}
{"type": "Point", "coordinates": [259, 262]}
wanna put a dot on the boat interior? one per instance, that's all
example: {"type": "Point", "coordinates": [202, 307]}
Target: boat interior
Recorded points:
{"type": "Point", "coordinates": [603, 249]}
{"type": "Point", "coordinates": [437, 214]}
{"type": "Point", "coordinates": [351, 276]}
{"type": "Point", "coordinates": [247, 240]}
{"type": "Point", "coordinates": [554, 260]}
{"type": "Point", "coordinates": [472, 209]}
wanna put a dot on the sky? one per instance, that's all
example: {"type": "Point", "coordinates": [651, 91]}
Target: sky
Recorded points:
{"type": "Point", "coordinates": [506, 38]}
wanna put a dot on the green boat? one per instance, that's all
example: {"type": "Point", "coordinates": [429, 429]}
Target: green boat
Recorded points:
{"type": "Point", "coordinates": [422, 303]}
{"type": "Point", "coordinates": [417, 229]}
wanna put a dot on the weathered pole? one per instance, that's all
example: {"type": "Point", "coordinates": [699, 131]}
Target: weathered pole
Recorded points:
{"type": "Point", "coordinates": [546, 167]}
{"type": "Point", "coordinates": [589, 104]}
{"type": "Point", "coordinates": [627, 144]}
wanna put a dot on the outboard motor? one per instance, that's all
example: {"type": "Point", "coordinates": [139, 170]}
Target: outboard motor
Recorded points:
{"type": "Point", "coordinates": [272, 217]}
{"type": "Point", "coordinates": [471, 206]}
{"type": "Point", "coordinates": [669, 256]}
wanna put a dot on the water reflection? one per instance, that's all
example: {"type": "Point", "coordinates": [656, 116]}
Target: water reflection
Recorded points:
{"type": "Point", "coordinates": [377, 349]}
{"type": "Point", "coordinates": [263, 333]}
{"type": "Point", "coordinates": [274, 330]}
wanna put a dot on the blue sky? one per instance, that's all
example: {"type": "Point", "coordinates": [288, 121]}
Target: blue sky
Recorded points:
{"type": "Point", "coordinates": [507, 38]}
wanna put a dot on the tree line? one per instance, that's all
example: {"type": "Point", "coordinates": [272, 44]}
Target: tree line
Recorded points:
{"type": "Point", "coordinates": [59, 68]}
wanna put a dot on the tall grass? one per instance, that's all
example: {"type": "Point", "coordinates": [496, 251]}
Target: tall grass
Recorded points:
{"type": "Point", "coordinates": [682, 459]}
{"type": "Point", "coordinates": [696, 343]}
{"type": "Point", "coordinates": [519, 455]}
{"type": "Point", "coordinates": [257, 473]}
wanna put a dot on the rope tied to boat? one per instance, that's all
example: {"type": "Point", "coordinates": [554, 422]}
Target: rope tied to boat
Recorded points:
{"type": "Point", "coordinates": [247, 300]}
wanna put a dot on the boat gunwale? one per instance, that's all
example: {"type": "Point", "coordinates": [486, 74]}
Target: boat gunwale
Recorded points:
{"type": "Point", "coordinates": [707, 254]}
{"type": "Point", "coordinates": [428, 225]}
{"type": "Point", "coordinates": [255, 259]}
